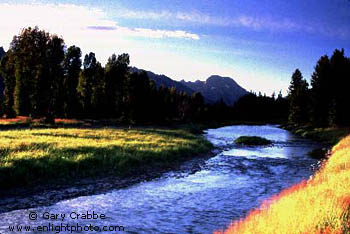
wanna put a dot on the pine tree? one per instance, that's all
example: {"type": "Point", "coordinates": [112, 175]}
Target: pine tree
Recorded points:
{"type": "Point", "coordinates": [298, 99]}
{"type": "Point", "coordinates": [340, 73]}
{"type": "Point", "coordinates": [111, 75]}
{"type": "Point", "coordinates": [86, 81]}
{"type": "Point", "coordinates": [138, 97]}
{"type": "Point", "coordinates": [71, 68]}
{"type": "Point", "coordinates": [7, 68]}
{"type": "Point", "coordinates": [321, 95]}
{"type": "Point", "coordinates": [197, 104]}
{"type": "Point", "coordinates": [98, 92]}
{"type": "Point", "coordinates": [54, 79]}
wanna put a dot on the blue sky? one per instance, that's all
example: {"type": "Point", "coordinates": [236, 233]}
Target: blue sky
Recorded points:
{"type": "Point", "coordinates": [259, 43]}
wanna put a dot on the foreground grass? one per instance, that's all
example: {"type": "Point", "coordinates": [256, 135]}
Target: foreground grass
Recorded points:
{"type": "Point", "coordinates": [319, 205]}
{"type": "Point", "coordinates": [29, 156]}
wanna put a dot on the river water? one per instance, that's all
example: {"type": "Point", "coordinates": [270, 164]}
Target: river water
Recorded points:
{"type": "Point", "coordinates": [224, 188]}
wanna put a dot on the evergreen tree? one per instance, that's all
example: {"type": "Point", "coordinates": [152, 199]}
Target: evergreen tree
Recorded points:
{"type": "Point", "coordinates": [298, 99]}
{"type": "Point", "coordinates": [111, 73]}
{"type": "Point", "coordinates": [340, 72]}
{"type": "Point", "coordinates": [123, 62]}
{"type": "Point", "coordinates": [7, 70]}
{"type": "Point", "coordinates": [87, 79]}
{"type": "Point", "coordinates": [321, 94]}
{"type": "Point", "coordinates": [197, 104]}
{"type": "Point", "coordinates": [54, 80]}
{"type": "Point", "coordinates": [98, 92]}
{"type": "Point", "coordinates": [138, 97]}
{"type": "Point", "coordinates": [71, 68]}
{"type": "Point", "coordinates": [116, 73]}
{"type": "Point", "coordinates": [282, 107]}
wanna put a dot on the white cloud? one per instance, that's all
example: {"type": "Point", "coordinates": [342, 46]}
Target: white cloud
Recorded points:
{"type": "Point", "coordinates": [164, 33]}
{"type": "Point", "coordinates": [75, 23]}
{"type": "Point", "coordinates": [145, 14]}
{"type": "Point", "coordinates": [149, 33]}
{"type": "Point", "coordinates": [257, 23]}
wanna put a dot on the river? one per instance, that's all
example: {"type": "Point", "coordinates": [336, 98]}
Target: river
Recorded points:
{"type": "Point", "coordinates": [224, 188]}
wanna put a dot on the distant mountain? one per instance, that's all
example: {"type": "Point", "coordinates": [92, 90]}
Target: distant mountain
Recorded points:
{"type": "Point", "coordinates": [164, 80]}
{"type": "Point", "coordinates": [2, 53]}
{"type": "Point", "coordinates": [216, 88]}
{"type": "Point", "coordinates": [213, 89]}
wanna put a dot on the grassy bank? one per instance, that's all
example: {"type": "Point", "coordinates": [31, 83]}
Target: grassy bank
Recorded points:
{"type": "Point", "coordinates": [329, 135]}
{"type": "Point", "coordinates": [30, 156]}
{"type": "Point", "coordinates": [319, 205]}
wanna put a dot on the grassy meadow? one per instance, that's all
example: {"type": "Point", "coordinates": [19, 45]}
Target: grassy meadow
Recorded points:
{"type": "Point", "coordinates": [28, 156]}
{"type": "Point", "coordinates": [319, 205]}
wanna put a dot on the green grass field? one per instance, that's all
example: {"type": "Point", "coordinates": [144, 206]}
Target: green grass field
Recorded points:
{"type": "Point", "coordinates": [31, 156]}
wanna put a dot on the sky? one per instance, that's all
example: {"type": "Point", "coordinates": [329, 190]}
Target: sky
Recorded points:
{"type": "Point", "coordinates": [259, 43]}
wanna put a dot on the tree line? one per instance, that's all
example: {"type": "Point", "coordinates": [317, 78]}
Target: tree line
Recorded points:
{"type": "Point", "coordinates": [44, 79]}
{"type": "Point", "coordinates": [326, 102]}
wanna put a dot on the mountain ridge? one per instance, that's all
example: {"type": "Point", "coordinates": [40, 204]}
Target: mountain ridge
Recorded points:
{"type": "Point", "coordinates": [213, 89]}
{"type": "Point", "coordinates": [217, 88]}
{"type": "Point", "coordinates": [164, 80]}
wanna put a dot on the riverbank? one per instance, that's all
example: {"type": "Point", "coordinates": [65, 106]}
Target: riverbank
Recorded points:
{"type": "Point", "coordinates": [44, 155]}
{"type": "Point", "coordinates": [326, 135]}
{"type": "Point", "coordinates": [319, 205]}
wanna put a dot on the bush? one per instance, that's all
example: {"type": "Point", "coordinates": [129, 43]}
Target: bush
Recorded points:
{"type": "Point", "coordinates": [252, 140]}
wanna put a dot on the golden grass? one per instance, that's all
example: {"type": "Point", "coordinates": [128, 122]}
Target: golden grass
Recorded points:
{"type": "Point", "coordinates": [319, 205]}
{"type": "Point", "coordinates": [29, 155]}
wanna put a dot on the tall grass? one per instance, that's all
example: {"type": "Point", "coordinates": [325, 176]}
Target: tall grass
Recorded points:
{"type": "Point", "coordinates": [28, 156]}
{"type": "Point", "coordinates": [319, 205]}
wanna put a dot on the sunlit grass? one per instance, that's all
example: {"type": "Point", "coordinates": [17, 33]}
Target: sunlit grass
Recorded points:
{"type": "Point", "coordinates": [330, 135]}
{"type": "Point", "coordinates": [319, 205]}
{"type": "Point", "coordinates": [31, 155]}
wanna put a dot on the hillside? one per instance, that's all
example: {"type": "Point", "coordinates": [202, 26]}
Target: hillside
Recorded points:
{"type": "Point", "coordinates": [216, 88]}
{"type": "Point", "coordinates": [166, 81]}
{"type": "Point", "coordinates": [319, 205]}
{"type": "Point", "coordinates": [213, 89]}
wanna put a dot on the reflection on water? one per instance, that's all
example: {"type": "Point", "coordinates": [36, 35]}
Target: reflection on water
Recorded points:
{"type": "Point", "coordinates": [226, 188]}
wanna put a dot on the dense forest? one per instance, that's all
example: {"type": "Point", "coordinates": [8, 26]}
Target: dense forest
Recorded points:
{"type": "Point", "coordinates": [43, 78]}
{"type": "Point", "coordinates": [326, 103]}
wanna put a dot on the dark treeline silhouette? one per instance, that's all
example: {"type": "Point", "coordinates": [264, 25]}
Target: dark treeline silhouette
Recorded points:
{"type": "Point", "coordinates": [45, 79]}
{"type": "Point", "coordinates": [253, 107]}
{"type": "Point", "coordinates": [326, 103]}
